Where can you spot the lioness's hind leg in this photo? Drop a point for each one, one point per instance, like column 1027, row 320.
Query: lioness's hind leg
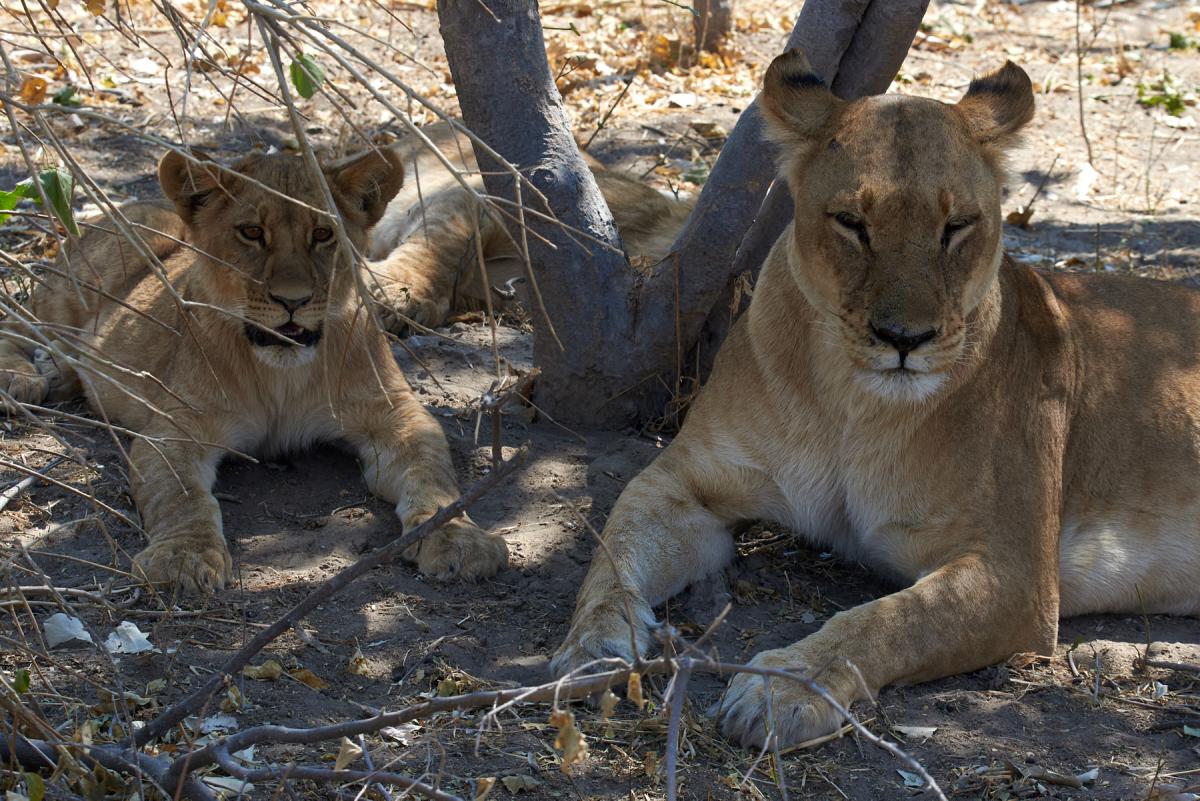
column 422, row 278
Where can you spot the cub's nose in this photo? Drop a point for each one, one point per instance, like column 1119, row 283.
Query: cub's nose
column 901, row 339
column 291, row 304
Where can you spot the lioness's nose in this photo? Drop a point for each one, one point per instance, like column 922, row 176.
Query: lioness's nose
column 291, row 304
column 900, row 338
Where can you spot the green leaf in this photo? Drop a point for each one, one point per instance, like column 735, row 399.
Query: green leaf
column 35, row 786
column 21, row 682
column 58, row 185
column 66, row 97
column 22, row 191
column 1192, row 731
column 1179, row 41
column 307, row 75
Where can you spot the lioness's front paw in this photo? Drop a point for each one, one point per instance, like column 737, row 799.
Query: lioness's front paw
column 191, row 564
column 797, row 713
column 23, row 387
column 603, row 631
column 459, row 550
column 399, row 309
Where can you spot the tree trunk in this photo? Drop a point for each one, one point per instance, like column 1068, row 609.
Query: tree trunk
column 713, row 21
column 620, row 332
column 508, row 98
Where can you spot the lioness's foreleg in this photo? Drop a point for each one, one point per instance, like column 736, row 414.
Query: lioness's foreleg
column 967, row 614
column 405, row 461
column 669, row 528
column 171, row 481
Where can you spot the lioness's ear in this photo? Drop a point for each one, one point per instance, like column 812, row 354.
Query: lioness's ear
column 796, row 103
column 369, row 182
column 187, row 184
column 998, row 105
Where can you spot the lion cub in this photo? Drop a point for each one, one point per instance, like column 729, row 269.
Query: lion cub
column 259, row 344
column 1011, row 446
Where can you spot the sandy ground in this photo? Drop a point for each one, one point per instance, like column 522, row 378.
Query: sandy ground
column 293, row 524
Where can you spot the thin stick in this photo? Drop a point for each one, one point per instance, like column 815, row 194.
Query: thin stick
column 16, row 489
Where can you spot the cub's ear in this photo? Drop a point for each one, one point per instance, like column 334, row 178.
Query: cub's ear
column 368, row 182
column 998, row 105
column 796, row 103
column 187, row 184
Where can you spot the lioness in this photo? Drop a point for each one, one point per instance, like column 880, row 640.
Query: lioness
column 259, row 344
column 1012, row 446
column 424, row 257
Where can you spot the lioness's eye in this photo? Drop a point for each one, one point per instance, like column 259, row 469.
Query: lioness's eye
column 252, row 232
column 852, row 223
column 321, row 234
column 952, row 228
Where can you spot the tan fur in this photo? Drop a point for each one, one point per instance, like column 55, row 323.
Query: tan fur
column 190, row 379
column 1036, row 457
column 425, row 263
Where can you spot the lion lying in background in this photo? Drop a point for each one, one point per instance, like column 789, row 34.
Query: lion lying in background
column 1011, row 446
column 261, row 344
column 424, row 260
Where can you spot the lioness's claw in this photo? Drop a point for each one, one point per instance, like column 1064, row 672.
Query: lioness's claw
column 461, row 551
column 603, row 631
column 191, row 565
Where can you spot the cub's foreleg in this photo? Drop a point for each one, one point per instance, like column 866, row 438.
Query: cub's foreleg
column 406, row 461
column 171, row 481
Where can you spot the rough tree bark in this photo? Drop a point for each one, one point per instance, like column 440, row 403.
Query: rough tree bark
column 713, row 21
column 620, row 331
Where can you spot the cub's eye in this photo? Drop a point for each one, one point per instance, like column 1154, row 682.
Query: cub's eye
column 322, row 234
column 953, row 227
column 852, row 223
column 252, row 233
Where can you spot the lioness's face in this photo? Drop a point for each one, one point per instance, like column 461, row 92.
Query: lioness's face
column 273, row 258
column 897, row 216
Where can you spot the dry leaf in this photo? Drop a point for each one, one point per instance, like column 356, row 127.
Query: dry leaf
column 483, row 787
column 447, row 687
column 267, row 671
column 306, row 676
column 95, row 7
column 633, row 691
column 232, row 700
column 358, row 663
column 570, row 739
column 608, row 702
column 650, row 764
column 1020, row 217
column 519, row 784
column 33, row 90
column 347, row 754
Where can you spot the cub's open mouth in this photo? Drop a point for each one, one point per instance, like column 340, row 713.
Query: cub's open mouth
column 299, row 336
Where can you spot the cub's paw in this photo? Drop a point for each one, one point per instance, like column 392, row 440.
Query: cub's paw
column 797, row 713
column 459, row 550
column 602, row 631
column 193, row 565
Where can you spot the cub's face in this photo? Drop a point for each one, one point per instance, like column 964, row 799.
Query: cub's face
column 897, row 216
column 272, row 258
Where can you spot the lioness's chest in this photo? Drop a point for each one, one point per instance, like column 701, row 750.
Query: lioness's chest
column 867, row 498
